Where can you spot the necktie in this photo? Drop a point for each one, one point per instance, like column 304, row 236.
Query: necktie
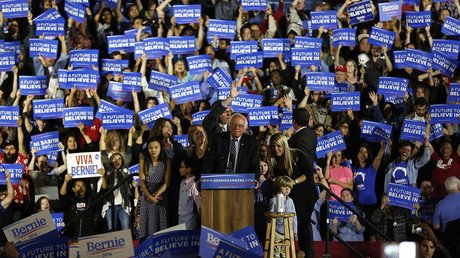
column 232, row 158
column 222, row 128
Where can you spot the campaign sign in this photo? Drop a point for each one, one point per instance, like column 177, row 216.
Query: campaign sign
column 381, row 37
column 444, row 113
column 156, row 47
column 75, row 11
column 132, row 81
column 254, row 5
column 62, row 78
column 403, row 196
column 248, row 235
column 451, row 48
column 49, row 245
column 9, row 116
column 244, row 101
column 418, row 59
column 16, row 173
column 105, row 107
column 51, row 28
column 229, row 249
column 443, row 63
column 273, row 47
column 397, row 100
column 345, row 101
column 199, row 64
column 209, row 240
column 138, row 50
column 30, row 227
column 15, row 8
column 45, row 47
column 175, row 243
column 392, row 86
column 45, row 142
column 149, row 116
column 339, row 211
column 243, row 47
column 161, row 81
column 413, row 130
column 327, row 19
column 7, row 61
column 227, row 181
column 121, row 43
column 375, row 132
column 420, row 19
column 84, row 164
column 249, row 60
column 344, row 36
column 85, row 58
column 13, row 46
column 198, row 117
column 120, row 119
column 220, row 79
column 48, row 108
column 286, row 121
column 113, row 244
column 341, row 87
column 307, row 42
column 222, row 29
column 436, row 131
column 85, row 3
column 182, row 45
column 360, row 12
column 58, row 219
column 389, row 10
column 320, row 81
column 454, row 92
column 267, row 115
column 305, row 57
column 113, row 66
column 399, row 58
column 82, row 78
column 185, row 92
column 183, row 140
column 76, row 115
column 33, row 85
column 330, row 142
column 50, row 14
column 186, row 14
column 451, row 27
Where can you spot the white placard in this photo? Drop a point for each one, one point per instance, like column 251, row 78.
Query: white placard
column 84, row 164
column 114, row 244
column 30, row 227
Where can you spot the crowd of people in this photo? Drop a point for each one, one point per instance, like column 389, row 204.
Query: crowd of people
column 284, row 161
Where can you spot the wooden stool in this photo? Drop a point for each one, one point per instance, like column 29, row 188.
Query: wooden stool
column 288, row 242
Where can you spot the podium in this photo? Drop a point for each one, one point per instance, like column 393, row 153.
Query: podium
column 227, row 201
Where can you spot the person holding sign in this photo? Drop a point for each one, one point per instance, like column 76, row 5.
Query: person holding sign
column 337, row 175
column 351, row 230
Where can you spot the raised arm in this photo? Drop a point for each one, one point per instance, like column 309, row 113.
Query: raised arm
column 9, row 191
column 118, row 12
column 379, row 156
column 15, row 83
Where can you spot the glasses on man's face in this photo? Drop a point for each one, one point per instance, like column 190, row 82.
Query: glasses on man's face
column 237, row 125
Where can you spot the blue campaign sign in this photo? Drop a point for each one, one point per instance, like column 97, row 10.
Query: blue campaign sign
column 162, row 81
column 444, row 113
column 48, row 109
column 249, row 60
column 174, row 243
column 116, row 92
column 51, row 28
column 305, row 57
column 58, row 219
column 7, row 61
column 62, row 78
column 183, row 140
column 327, row 19
column 138, row 50
column 186, row 14
column 185, row 92
column 330, row 142
column 399, row 58
column 243, row 47
column 222, row 29
column 397, row 100
column 105, row 107
column 149, row 116
column 209, row 240
column 13, row 46
column 182, row 45
column 403, row 196
column 375, row 132
column 219, row 78
column 273, row 47
column 248, row 235
column 82, row 78
column 380, row 37
column 85, row 3
column 121, row 43
column 454, row 92
column 229, row 249
column 33, row 85
column 344, row 101
column 413, row 130
column 9, row 116
column 198, row 117
column 50, row 244
column 199, row 64
column 341, row 87
column 443, row 63
column 244, row 101
column 120, row 119
column 75, row 11
column 307, row 42
column 320, row 81
column 227, row 181
column 132, row 81
column 451, row 27
column 389, row 10
column 16, row 172
column 451, row 48
column 113, row 66
column 266, row 115
column 112, row 4
column 15, row 8
column 44, row 47
column 436, row 131
column 392, row 86
column 418, row 59
column 360, row 12
column 50, row 14
column 286, row 121
column 75, row 115
column 420, row 19
column 45, row 142
column 84, row 58
column 156, row 47
column 254, row 5
column 344, row 36
column 339, row 211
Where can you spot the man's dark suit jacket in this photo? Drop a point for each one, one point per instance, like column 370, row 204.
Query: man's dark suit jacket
column 304, row 140
column 211, row 121
column 215, row 161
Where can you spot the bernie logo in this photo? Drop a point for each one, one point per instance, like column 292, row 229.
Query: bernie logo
column 28, row 229
column 105, row 246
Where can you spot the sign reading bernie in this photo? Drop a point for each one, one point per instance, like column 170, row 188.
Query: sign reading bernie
column 84, row 164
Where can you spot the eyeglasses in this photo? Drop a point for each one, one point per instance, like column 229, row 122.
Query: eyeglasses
column 237, row 125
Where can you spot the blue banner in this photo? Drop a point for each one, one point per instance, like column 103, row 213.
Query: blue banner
column 186, row 14
column 33, row 85
column 454, row 92
column 345, row 36
column 444, row 64
column 273, row 47
column 121, row 119
column 345, row 101
column 58, row 219
column 254, row 5
column 62, row 78
column 16, row 172
column 209, row 240
column 113, row 66
column 305, row 57
column 327, row 19
column 116, row 92
column 15, row 8
column 199, row 64
column 175, row 243
column 381, row 37
column 50, row 14
column 183, row 140
column 132, row 81
column 399, row 58
column 445, row 113
column 360, row 12
column 121, row 43
column 413, row 130
column 451, row 48
column 308, row 43
column 156, row 47
column 85, row 58
column 85, row 3
column 451, row 26
column 249, row 60
column 75, row 11
column 52, row 28
column 44, row 47
column 229, row 249
column 13, row 46
column 219, row 78
column 339, row 211
column 82, row 79
column 45, row 142
column 436, row 131
column 418, row 59
column 185, row 92
column 392, row 86
column 222, row 29
column 286, row 121
column 227, row 181
column 162, row 81
column 198, row 117
column 105, row 107
column 244, row 101
column 403, row 196
column 266, row 115
column 49, row 244
column 9, row 116
column 138, row 50
column 389, row 10
column 182, row 45
column 75, row 115
column 112, row 4
column 243, row 47
column 149, row 116
column 397, row 100
column 320, row 81
column 420, row 19
column 7, row 61
column 248, row 235
column 330, row 142
column 375, row 132
column 48, row 109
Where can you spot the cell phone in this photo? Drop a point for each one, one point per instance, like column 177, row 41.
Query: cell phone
column 416, row 229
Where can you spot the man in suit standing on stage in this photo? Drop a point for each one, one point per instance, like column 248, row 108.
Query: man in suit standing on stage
column 304, row 137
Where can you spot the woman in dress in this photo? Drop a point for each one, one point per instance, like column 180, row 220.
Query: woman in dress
column 198, row 140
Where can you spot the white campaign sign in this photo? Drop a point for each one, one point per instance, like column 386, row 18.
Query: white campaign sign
column 30, row 227
column 84, row 164
column 114, row 244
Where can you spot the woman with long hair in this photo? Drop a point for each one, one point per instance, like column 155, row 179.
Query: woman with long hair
column 199, row 145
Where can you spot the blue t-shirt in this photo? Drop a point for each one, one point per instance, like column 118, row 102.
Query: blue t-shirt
column 399, row 174
column 364, row 179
